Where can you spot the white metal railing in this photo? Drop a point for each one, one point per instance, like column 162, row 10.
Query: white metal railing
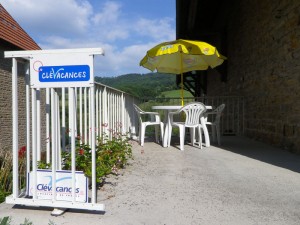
column 55, row 117
column 232, row 120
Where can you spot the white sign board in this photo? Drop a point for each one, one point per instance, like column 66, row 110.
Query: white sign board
column 63, row 185
column 60, row 67
column 61, row 70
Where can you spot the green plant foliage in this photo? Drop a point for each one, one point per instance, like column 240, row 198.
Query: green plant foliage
column 43, row 165
column 5, row 220
column 3, row 194
column 6, row 167
column 111, row 155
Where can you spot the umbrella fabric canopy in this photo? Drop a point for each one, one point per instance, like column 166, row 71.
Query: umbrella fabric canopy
column 182, row 56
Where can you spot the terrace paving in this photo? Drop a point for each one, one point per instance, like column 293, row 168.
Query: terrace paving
column 241, row 182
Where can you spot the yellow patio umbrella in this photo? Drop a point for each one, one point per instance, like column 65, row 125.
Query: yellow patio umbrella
column 180, row 56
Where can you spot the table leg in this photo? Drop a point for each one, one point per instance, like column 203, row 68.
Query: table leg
column 166, row 133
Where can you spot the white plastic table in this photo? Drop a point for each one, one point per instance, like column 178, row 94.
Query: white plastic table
column 170, row 108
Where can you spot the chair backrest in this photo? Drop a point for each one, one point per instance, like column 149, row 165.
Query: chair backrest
column 218, row 111
column 193, row 111
column 138, row 112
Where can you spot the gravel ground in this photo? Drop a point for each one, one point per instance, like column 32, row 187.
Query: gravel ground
column 243, row 182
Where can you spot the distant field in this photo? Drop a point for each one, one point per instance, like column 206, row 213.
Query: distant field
column 175, row 94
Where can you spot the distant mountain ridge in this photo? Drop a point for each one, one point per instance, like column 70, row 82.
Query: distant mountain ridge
column 141, row 85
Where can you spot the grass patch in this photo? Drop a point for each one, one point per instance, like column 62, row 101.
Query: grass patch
column 175, row 94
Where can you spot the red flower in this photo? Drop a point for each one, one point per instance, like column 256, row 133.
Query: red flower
column 22, row 152
column 81, row 151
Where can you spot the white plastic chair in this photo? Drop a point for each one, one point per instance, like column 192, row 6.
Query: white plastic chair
column 154, row 120
column 192, row 111
column 215, row 122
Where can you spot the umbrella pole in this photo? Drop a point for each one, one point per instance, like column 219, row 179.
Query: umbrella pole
column 181, row 65
column 182, row 103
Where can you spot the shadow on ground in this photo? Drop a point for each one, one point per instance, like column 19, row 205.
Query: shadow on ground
column 261, row 151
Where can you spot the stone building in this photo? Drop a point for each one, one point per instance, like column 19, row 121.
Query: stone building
column 261, row 39
column 12, row 38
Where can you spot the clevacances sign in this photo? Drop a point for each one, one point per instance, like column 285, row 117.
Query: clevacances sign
column 63, row 187
column 62, row 68
column 76, row 73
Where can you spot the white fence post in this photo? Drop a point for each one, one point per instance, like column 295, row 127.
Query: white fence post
column 28, row 149
column 15, row 126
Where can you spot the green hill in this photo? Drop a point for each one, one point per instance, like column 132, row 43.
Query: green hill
column 141, row 85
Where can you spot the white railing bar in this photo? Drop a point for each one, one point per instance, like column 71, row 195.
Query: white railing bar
column 111, row 106
column 100, row 112
column 118, row 120
column 97, row 113
column 72, row 117
column 53, row 144
column 80, row 114
column 104, row 110
column 119, row 108
column 38, row 123
column 90, row 117
column 109, row 111
column 123, row 124
column 113, row 115
column 108, row 87
column 34, row 140
column 93, row 144
column 85, row 115
column 63, row 117
column 27, row 80
column 75, row 107
column 15, row 132
column 70, row 111
column 58, row 131
column 47, row 125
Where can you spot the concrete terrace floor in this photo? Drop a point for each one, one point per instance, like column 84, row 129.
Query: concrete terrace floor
column 240, row 182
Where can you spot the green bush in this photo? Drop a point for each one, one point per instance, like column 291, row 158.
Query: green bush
column 6, row 166
column 111, row 155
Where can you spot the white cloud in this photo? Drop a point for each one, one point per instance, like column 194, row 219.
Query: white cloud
column 67, row 17
column 56, row 24
column 158, row 29
column 122, row 61
column 109, row 14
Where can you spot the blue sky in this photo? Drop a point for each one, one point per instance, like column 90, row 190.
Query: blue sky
column 125, row 29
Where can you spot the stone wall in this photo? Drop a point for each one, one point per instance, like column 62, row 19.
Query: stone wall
column 6, row 104
column 264, row 67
